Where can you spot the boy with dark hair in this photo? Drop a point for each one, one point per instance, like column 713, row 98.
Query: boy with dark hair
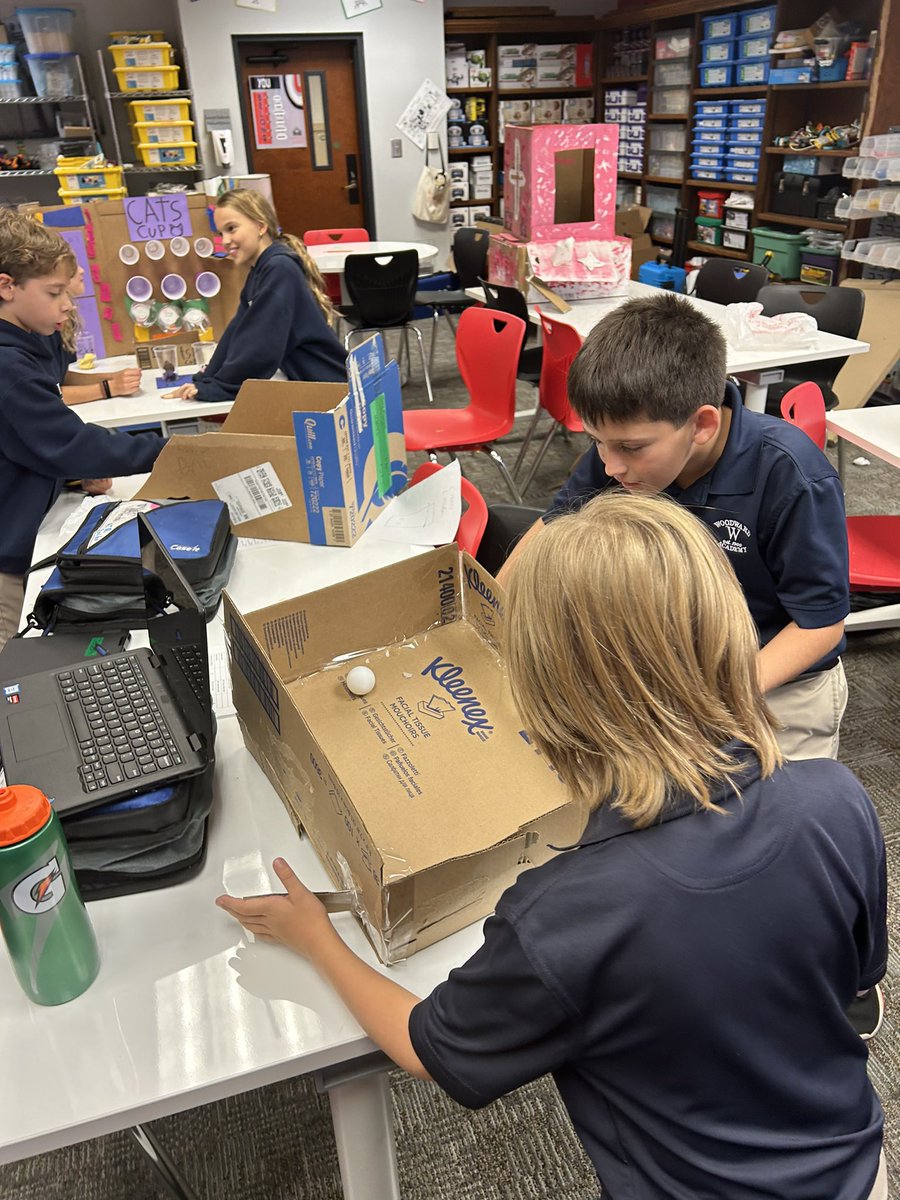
column 41, row 440
column 649, row 385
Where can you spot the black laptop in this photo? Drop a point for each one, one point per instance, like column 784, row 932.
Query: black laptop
column 87, row 730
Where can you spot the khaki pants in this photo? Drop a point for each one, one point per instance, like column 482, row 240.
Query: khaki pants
column 810, row 709
column 11, row 597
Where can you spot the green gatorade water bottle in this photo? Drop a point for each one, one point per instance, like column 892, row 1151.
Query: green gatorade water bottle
column 42, row 917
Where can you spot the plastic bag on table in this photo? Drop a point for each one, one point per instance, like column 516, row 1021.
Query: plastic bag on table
column 746, row 328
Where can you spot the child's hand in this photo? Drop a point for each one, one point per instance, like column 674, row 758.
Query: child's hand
column 126, row 382
column 187, row 392
column 296, row 919
column 96, row 487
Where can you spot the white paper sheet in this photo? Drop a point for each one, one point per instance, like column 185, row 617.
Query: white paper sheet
column 425, row 515
column 220, row 683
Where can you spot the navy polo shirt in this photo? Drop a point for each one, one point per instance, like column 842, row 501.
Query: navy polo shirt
column 686, row 985
column 776, row 507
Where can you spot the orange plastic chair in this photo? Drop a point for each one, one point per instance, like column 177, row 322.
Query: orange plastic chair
column 473, row 521
column 874, row 541
column 487, row 354
column 561, row 344
column 324, row 237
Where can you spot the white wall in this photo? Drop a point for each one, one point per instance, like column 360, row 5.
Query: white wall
column 403, row 43
column 563, row 8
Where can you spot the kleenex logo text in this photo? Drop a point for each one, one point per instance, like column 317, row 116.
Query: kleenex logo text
column 475, row 582
column 450, row 678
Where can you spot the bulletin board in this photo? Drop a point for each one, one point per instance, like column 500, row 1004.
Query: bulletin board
column 103, row 227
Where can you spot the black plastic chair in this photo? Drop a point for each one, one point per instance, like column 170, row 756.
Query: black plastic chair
column 836, row 310
column 382, row 288
column 510, row 300
column 730, row 281
column 470, row 251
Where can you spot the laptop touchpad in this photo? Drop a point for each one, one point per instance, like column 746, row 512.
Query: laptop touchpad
column 37, row 732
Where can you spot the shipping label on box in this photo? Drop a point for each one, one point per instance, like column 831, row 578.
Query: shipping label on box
column 575, row 268
column 406, row 792
column 560, row 181
column 297, row 461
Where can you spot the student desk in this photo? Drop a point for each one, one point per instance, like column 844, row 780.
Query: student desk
column 144, row 407
column 877, row 431
column 330, row 258
column 749, row 365
column 187, row 1009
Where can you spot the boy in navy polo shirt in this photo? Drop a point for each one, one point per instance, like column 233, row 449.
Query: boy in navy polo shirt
column 683, row 971
column 649, row 386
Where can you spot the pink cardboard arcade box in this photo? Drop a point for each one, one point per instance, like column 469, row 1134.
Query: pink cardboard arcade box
column 560, row 181
column 575, row 268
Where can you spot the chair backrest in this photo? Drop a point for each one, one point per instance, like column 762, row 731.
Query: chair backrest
column 487, row 354
column 322, row 237
column 730, row 281
column 504, row 298
column 561, row 344
column 382, row 287
column 470, row 250
column 836, row 310
column 474, row 519
column 804, row 406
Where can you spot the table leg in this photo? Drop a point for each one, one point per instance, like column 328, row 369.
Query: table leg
column 842, row 458
column 165, row 1168
column 755, row 396
column 360, row 1100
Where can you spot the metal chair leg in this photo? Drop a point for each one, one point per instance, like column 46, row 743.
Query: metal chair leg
column 418, row 334
column 165, row 1168
column 435, row 322
column 539, row 457
column 526, row 442
column 504, row 471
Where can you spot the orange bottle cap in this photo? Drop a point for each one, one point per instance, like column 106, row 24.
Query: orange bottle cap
column 23, row 811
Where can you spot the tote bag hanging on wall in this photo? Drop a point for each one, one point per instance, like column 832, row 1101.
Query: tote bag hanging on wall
column 431, row 202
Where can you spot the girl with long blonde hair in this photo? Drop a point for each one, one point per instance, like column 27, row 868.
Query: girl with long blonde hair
column 282, row 322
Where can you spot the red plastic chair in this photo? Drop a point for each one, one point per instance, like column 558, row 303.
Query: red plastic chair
column 487, row 354
column 874, row 541
column 324, row 237
column 473, row 521
column 561, row 344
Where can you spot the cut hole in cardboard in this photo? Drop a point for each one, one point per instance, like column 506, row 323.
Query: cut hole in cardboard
column 574, row 193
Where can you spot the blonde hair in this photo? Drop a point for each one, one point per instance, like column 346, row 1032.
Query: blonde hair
column 632, row 656
column 28, row 250
column 256, row 207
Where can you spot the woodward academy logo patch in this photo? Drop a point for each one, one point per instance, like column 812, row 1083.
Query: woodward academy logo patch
column 41, row 889
column 733, row 536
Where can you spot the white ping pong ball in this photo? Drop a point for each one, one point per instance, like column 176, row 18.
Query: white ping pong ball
column 360, row 680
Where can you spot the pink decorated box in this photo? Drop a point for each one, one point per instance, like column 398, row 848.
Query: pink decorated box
column 577, row 268
column 560, row 181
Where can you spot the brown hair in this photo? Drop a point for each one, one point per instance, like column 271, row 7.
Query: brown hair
column 653, row 359
column 28, row 250
column 255, row 206
column 632, row 656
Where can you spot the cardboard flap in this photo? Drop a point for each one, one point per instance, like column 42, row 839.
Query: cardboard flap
column 268, row 405
column 632, row 221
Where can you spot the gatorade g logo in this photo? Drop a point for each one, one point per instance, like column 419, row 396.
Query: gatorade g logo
column 40, row 890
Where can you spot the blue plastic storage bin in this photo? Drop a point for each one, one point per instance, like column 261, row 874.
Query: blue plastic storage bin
column 757, row 20
column 835, row 73
column 738, row 163
column 712, row 108
column 701, row 124
column 706, row 173
column 753, row 45
column 733, row 176
column 717, row 51
column 792, row 75
column 715, row 162
column 718, row 74
column 662, row 275
column 750, row 124
column 745, row 137
column 748, row 108
column 752, row 71
column 707, row 137
column 723, row 25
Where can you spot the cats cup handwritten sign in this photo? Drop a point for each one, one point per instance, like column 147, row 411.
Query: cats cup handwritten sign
column 157, row 217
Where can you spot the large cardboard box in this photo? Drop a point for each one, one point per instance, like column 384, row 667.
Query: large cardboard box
column 560, row 181
column 425, row 797
column 632, row 222
column 298, row 462
column 575, row 268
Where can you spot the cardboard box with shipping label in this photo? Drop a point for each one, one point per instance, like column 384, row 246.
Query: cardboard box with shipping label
column 296, row 461
column 425, row 797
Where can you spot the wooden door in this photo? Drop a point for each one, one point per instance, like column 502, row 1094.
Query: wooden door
column 302, row 125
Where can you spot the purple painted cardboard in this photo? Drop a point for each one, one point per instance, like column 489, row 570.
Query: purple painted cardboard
column 75, row 239
column 157, row 217
column 92, row 324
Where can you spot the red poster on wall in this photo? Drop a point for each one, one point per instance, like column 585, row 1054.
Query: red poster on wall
column 279, row 120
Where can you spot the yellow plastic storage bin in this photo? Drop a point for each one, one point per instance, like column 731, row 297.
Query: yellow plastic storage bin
column 147, row 79
column 147, row 112
column 77, row 175
column 123, row 36
column 85, row 196
column 169, row 154
column 163, row 133
column 142, row 54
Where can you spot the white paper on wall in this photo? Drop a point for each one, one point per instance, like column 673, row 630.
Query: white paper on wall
column 427, row 109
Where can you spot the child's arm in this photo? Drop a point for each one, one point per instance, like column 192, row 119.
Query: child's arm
column 297, row 920
column 123, row 383
column 793, row 651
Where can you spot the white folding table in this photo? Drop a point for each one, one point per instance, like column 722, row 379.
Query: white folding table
column 144, row 407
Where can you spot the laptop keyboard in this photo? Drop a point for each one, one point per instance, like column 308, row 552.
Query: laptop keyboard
column 122, row 735
column 190, row 660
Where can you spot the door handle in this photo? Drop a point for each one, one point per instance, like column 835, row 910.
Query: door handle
column 351, row 187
